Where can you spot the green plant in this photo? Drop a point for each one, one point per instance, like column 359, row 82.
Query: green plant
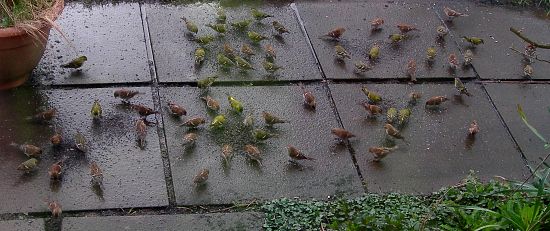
column 23, row 13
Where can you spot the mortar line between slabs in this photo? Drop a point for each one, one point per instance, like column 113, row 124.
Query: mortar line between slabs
column 328, row 92
column 170, row 191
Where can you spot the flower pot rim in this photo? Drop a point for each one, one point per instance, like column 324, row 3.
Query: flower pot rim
column 53, row 13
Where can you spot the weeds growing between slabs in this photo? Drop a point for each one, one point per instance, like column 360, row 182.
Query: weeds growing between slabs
column 471, row 205
column 16, row 12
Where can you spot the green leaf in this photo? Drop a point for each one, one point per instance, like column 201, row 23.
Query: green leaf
column 489, row 226
column 534, row 130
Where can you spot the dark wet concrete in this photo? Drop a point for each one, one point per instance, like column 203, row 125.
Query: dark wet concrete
column 439, row 153
column 494, row 59
column 22, row 225
column 319, row 18
column 534, row 100
column 332, row 173
column 116, row 53
column 215, row 221
column 174, row 52
column 132, row 177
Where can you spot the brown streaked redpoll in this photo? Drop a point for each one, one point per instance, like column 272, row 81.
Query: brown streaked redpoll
column 55, row 208
column 227, row 152
column 451, row 14
column 453, row 61
column 309, row 99
column 436, row 100
column 253, row 153
column 96, row 173
column 228, row 50
column 247, row 50
column 414, row 97
column 190, row 138
column 380, row 152
column 194, row 122
column 335, row 33
column 393, row 132
column 376, row 23
column 271, row 119
column 201, row 177
column 404, row 28
column 56, row 139
column 528, row 71
column 141, row 133
column 279, row 27
column 296, row 154
column 211, row 103
column 125, row 94
column 55, row 170
column 411, row 70
column 29, row 149
column 270, row 52
column 442, row 31
column 372, row 109
column 342, row 133
column 44, row 116
column 143, row 110
column 176, row 110
column 473, row 129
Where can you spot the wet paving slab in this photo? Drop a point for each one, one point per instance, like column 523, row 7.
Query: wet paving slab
column 116, row 54
column 355, row 17
column 174, row 48
column 22, row 225
column 215, row 221
column 242, row 179
column 533, row 100
column 494, row 59
column 132, row 177
column 437, row 150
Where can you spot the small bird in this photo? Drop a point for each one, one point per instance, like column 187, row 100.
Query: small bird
column 96, row 110
column 176, row 110
column 530, row 51
column 55, row 208
column 391, row 115
column 404, row 115
column 56, row 139
column 376, row 23
column 29, row 150
column 342, row 133
column 242, row 25
column 431, row 52
column 143, row 110
column 81, row 144
column 395, row 38
column 211, row 103
column 404, row 28
column 224, row 61
column 228, row 50
column 309, row 98
column 473, row 129
column 44, row 116
column 194, row 122
column 125, row 94
column 393, row 132
column 253, row 153
column 255, row 36
column 243, row 64
column 247, row 50
column 55, row 170
column 218, row 27
column 461, row 88
column 468, row 57
column 235, row 104
column 374, row 52
column 380, row 152
column 411, row 70
column 221, row 17
column 270, row 119
column 96, row 173
column 436, row 100
column 361, row 67
column 227, row 153
column 453, row 61
column 259, row 15
column 200, row 53
column 296, row 154
column 371, row 95
column 451, row 14
column 218, row 121
column 248, row 120
column 28, row 165
column 527, row 71
column 280, row 28
column 270, row 67
column 141, row 133
column 201, row 177
column 260, row 134
column 442, row 31
column 341, row 53
column 206, row 82
column 473, row 40
column 190, row 138
column 270, row 52
column 335, row 33
column 76, row 63
column 190, row 25
column 373, row 109
column 204, row 40
column 414, row 97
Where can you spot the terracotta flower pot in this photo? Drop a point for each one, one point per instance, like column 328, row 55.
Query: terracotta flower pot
column 21, row 52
